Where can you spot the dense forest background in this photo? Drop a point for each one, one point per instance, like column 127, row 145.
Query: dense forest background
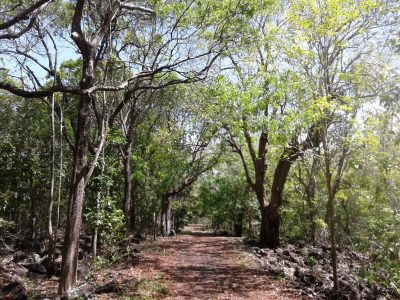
column 274, row 120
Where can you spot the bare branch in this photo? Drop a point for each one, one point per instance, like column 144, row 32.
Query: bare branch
column 23, row 15
column 141, row 9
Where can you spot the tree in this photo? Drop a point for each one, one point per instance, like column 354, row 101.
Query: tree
column 309, row 183
column 184, row 146
column 92, row 42
column 261, row 104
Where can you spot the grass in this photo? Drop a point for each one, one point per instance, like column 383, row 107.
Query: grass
column 244, row 261
column 151, row 286
column 149, row 289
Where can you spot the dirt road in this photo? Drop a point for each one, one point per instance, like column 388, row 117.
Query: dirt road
column 197, row 265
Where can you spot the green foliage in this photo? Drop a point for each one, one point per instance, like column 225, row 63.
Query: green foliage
column 109, row 220
column 225, row 199
column 281, row 68
column 4, row 224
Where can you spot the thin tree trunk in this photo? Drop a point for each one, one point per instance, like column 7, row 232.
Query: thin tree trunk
column 134, row 209
column 60, row 175
column 310, row 193
column 154, row 226
column 98, row 205
column 332, row 187
column 311, row 215
column 33, row 210
column 51, row 199
column 166, row 215
column 331, row 216
column 127, row 187
column 96, row 229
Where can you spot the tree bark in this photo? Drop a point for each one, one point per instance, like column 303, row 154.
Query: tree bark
column 165, row 215
column 270, row 217
column 60, row 176
column 269, row 229
column 310, row 194
column 51, row 199
column 96, row 229
column 33, row 209
column 238, row 225
column 127, row 202
column 71, row 240
column 332, row 228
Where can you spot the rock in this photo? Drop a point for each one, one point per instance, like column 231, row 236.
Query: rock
column 301, row 243
column 316, row 254
column 276, row 270
column 309, row 269
column 325, row 248
column 111, row 287
column 294, row 259
column 289, row 272
column 86, row 243
column 222, row 233
column 81, row 254
column 42, row 250
column 52, row 268
column 250, row 241
column 20, row 271
column 337, row 296
column 13, row 291
column 82, row 292
column 82, row 271
column 37, row 268
column 255, row 249
column 136, row 240
column 87, row 239
column 57, row 253
column 263, row 252
column 36, row 258
column 19, row 256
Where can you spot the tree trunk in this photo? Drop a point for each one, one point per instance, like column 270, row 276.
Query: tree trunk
column 51, row 199
column 71, row 240
column 166, row 215
column 127, row 187
column 270, row 218
column 269, row 230
column 311, row 214
column 59, row 178
column 96, row 229
column 310, row 193
column 134, row 212
column 331, row 218
column 238, row 225
column 33, row 209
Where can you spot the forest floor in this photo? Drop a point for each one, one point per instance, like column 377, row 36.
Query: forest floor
column 191, row 265
column 195, row 265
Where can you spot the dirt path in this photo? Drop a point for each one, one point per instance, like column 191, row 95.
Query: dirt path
column 200, row 266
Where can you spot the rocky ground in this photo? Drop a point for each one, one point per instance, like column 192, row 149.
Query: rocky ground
column 308, row 268
column 189, row 266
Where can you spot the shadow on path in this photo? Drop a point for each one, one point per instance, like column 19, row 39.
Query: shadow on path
column 198, row 265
